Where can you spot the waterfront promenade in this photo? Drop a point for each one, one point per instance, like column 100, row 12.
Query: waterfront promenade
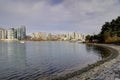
column 109, row 70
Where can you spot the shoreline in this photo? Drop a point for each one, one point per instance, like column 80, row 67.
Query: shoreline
column 82, row 74
column 109, row 70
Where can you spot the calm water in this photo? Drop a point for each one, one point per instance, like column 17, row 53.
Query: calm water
column 31, row 60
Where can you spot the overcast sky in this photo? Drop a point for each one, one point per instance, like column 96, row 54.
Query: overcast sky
column 85, row 16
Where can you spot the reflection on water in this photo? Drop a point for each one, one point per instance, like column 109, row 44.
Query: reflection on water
column 31, row 60
column 12, row 59
column 17, row 55
column 102, row 52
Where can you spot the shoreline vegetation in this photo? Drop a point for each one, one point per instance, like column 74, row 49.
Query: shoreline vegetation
column 110, row 33
column 84, row 71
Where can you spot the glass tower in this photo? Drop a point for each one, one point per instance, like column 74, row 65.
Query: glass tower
column 21, row 33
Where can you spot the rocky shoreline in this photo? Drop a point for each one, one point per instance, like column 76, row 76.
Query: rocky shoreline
column 109, row 70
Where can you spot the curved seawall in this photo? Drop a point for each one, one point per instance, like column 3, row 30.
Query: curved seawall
column 108, row 70
column 72, row 75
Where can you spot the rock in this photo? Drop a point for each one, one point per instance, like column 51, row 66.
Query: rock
column 117, row 79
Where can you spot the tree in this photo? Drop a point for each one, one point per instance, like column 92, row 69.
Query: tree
column 109, row 31
column 106, row 35
column 87, row 38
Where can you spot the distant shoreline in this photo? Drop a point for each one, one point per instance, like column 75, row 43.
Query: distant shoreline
column 14, row 40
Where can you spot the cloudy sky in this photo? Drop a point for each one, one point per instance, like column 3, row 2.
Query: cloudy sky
column 85, row 16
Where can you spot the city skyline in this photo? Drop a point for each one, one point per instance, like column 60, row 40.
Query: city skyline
column 13, row 33
column 20, row 34
column 58, row 16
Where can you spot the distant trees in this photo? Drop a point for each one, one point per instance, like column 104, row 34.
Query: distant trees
column 110, row 32
column 87, row 38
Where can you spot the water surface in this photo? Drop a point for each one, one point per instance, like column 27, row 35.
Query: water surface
column 32, row 60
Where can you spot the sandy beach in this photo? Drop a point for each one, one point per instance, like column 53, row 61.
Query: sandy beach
column 110, row 70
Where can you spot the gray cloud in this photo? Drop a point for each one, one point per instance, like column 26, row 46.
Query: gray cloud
column 86, row 16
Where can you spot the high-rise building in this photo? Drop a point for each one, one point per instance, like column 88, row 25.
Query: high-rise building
column 3, row 33
column 21, row 32
column 74, row 36
column 68, row 36
column 18, row 33
column 15, row 33
column 10, row 34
